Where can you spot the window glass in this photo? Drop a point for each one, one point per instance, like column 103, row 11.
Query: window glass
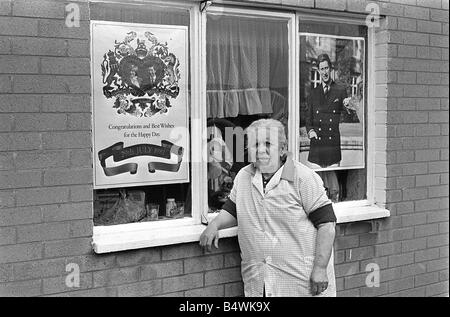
column 247, row 61
column 332, row 106
column 149, row 90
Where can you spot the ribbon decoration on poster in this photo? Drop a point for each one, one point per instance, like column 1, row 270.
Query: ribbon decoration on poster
column 119, row 153
column 139, row 83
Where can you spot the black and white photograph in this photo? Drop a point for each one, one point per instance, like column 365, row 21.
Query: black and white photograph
column 221, row 156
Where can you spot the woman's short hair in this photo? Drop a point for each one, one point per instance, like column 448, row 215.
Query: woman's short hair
column 268, row 124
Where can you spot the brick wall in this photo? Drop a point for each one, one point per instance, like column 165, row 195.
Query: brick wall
column 45, row 166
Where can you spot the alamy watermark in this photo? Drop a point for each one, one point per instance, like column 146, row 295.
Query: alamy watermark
column 73, row 15
column 73, row 278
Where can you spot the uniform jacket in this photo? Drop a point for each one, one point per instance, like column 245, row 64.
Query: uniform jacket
column 323, row 114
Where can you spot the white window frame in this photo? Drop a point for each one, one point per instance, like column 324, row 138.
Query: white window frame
column 366, row 209
column 149, row 234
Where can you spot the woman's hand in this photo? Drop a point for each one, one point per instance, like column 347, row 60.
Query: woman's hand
column 209, row 236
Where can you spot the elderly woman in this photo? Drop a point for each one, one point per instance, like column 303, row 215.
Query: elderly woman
column 286, row 223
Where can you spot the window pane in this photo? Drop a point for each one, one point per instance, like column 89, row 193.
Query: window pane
column 145, row 105
column 332, row 106
column 247, row 79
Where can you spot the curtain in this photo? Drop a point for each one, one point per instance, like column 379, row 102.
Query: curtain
column 247, row 66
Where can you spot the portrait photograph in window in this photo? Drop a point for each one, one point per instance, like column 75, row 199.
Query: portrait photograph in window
column 332, row 102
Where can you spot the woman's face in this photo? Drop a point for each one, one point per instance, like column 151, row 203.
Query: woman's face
column 265, row 150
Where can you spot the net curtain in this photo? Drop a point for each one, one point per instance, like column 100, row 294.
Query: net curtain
column 247, row 66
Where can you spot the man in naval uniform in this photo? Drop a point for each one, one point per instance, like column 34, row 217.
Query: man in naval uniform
column 323, row 112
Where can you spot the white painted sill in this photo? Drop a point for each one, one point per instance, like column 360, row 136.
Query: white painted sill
column 112, row 241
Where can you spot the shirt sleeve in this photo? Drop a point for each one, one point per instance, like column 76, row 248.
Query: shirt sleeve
column 312, row 192
column 230, row 207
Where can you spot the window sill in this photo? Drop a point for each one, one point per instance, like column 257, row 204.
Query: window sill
column 346, row 212
column 105, row 242
column 112, row 241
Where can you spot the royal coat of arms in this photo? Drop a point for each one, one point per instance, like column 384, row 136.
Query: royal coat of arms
column 141, row 74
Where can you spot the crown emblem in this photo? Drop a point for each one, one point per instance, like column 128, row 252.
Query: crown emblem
column 141, row 75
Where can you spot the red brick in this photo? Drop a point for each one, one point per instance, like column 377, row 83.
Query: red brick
column 234, row 289
column 65, row 103
column 38, row 46
column 412, row 269
column 66, row 140
column 181, row 251
column 438, row 288
column 138, row 257
column 374, row 291
column 69, row 247
column 7, row 236
column 223, row 276
column 438, row 240
column 116, row 276
column 20, row 179
column 161, row 270
column 43, row 232
column 184, row 282
column 331, row 5
column 437, row 265
column 232, row 260
column 414, row 292
column 81, row 228
column 65, row 66
column 16, row 216
column 22, row 141
column 33, row 84
column 414, row 244
column 20, row 252
column 428, row 180
column 40, row 122
column 354, row 281
column 346, row 242
column 401, row 259
column 58, row 29
column 58, row 284
column 68, row 176
column 19, row 103
column 428, row 254
column 205, row 263
column 415, row 219
column 21, row 289
column 437, row 216
column 438, row 191
column 417, row 12
column 399, row 285
column 425, row 279
column 18, row 26
column 81, row 193
column 6, row 161
column 346, row 269
column 360, row 253
column 18, row 64
column 95, row 292
column 147, row 288
column 387, row 248
column 69, row 211
column 93, row 262
column 211, row 291
column 79, row 121
column 38, row 269
column 349, row 293
column 41, row 159
column 426, row 230
column 78, row 48
column 41, row 196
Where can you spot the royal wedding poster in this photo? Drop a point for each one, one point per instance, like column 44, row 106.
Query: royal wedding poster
column 139, row 104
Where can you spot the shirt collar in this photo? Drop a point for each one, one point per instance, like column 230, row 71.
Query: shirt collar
column 288, row 169
column 329, row 84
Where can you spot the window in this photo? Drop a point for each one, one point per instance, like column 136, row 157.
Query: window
column 247, row 70
column 220, row 70
column 332, row 123
column 142, row 168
